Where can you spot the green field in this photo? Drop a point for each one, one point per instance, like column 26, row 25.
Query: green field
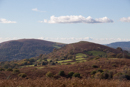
column 96, row 53
column 80, row 55
column 64, row 61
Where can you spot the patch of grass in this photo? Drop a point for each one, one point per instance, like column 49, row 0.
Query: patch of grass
column 29, row 65
column 48, row 59
column 96, row 53
column 64, row 61
column 67, row 63
column 80, row 58
column 40, row 67
column 80, row 55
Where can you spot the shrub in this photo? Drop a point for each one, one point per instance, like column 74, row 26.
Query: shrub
column 35, row 64
column 70, row 74
column 114, row 65
column 117, row 75
column 1, row 69
column 61, row 73
column 49, row 74
column 122, row 77
column 119, row 55
column 16, row 70
column 98, row 75
column 93, row 72
column 110, row 75
column 100, row 70
column 95, row 66
column 119, row 48
column 9, row 69
column 68, row 64
column 105, row 75
column 23, row 75
column 105, row 70
column 76, row 75
column 111, row 55
column 96, row 58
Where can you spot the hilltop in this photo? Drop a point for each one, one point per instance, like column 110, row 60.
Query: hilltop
column 25, row 48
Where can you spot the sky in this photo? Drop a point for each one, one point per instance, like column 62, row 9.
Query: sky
column 65, row 21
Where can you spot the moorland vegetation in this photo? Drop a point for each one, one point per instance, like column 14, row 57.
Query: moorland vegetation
column 78, row 64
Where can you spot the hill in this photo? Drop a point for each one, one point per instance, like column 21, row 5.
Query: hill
column 87, row 48
column 123, row 45
column 25, row 48
column 69, row 54
column 77, row 64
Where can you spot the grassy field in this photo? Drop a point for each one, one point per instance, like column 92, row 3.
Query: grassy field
column 64, row 61
column 80, row 55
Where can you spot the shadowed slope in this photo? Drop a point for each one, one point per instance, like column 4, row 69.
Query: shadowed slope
column 25, row 48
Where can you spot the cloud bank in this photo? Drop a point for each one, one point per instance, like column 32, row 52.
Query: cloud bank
column 72, row 39
column 2, row 20
column 90, row 39
column 77, row 19
column 125, row 19
column 35, row 9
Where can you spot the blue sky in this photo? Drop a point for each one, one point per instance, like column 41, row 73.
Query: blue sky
column 66, row 21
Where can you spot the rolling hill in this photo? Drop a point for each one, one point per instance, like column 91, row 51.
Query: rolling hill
column 25, row 48
column 84, row 48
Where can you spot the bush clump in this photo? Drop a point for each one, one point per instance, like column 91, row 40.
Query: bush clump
column 23, row 75
column 100, row 70
column 61, row 73
column 1, row 69
column 93, row 72
column 114, row 65
column 70, row 74
column 16, row 70
column 49, row 74
column 76, row 75
column 98, row 75
column 95, row 66
column 9, row 69
column 105, row 75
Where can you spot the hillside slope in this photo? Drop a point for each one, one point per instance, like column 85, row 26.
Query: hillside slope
column 87, row 48
column 25, row 48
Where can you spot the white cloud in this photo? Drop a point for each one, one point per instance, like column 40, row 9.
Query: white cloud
column 90, row 39
column 125, row 19
column 72, row 39
column 77, row 19
column 35, row 9
column 2, row 20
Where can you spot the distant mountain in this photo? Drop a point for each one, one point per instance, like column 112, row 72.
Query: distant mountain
column 123, row 45
column 25, row 48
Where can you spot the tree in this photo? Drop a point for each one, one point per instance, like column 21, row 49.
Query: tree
column 119, row 48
